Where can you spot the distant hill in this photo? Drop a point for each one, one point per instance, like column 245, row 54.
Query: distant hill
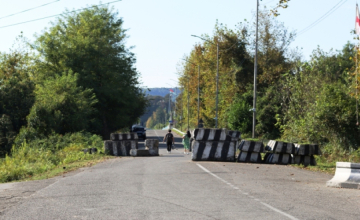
column 160, row 91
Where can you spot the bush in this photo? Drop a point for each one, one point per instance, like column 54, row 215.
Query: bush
column 41, row 155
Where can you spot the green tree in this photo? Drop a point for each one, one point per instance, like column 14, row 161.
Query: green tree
column 92, row 44
column 61, row 106
column 16, row 94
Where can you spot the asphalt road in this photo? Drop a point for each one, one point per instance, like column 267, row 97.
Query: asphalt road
column 171, row 186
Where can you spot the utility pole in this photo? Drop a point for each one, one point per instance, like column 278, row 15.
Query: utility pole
column 255, row 69
column 198, row 94
column 217, row 84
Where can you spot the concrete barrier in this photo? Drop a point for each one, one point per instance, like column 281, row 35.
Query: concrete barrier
column 347, row 175
column 235, row 135
column 123, row 136
column 273, row 158
column 307, row 149
column 251, row 146
column 153, row 146
column 249, row 157
column 139, row 153
column 120, row 148
column 280, row 147
column 213, row 150
column 108, row 148
column 305, row 160
column 207, row 134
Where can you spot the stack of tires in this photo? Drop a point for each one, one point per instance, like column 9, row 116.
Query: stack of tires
column 281, row 152
column 250, row 151
column 212, row 145
column 304, row 154
column 120, row 144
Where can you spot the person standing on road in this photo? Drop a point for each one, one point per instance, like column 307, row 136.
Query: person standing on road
column 186, row 142
column 169, row 138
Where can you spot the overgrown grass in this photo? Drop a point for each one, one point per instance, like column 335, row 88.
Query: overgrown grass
column 332, row 154
column 31, row 160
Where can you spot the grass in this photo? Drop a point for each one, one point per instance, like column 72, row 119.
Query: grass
column 29, row 161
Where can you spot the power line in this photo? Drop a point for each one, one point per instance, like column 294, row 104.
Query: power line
column 327, row 14
column 29, row 9
column 58, row 14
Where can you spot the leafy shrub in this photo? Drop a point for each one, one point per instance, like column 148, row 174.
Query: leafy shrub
column 41, row 155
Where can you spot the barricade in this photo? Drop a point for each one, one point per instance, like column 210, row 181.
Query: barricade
column 347, row 175
column 281, row 152
column 123, row 136
column 139, row 153
column 121, row 144
column 250, row 151
column 153, row 146
column 213, row 150
column 274, row 158
column 280, row 147
column 207, row 134
column 304, row 154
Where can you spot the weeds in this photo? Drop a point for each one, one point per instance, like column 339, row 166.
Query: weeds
column 33, row 158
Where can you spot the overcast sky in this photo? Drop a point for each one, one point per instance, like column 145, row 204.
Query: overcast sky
column 161, row 30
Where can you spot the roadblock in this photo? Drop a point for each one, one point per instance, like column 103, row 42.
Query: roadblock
column 213, row 150
column 250, row 151
column 214, row 145
column 304, row 154
column 152, row 145
column 347, row 175
column 120, row 144
column 207, row 134
column 281, row 152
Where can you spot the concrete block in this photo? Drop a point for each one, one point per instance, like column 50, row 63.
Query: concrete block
column 305, row 160
column 280, row 147
column 347, row 175
column 250, row 157
column 122, row 148
column 153, row 146
column 207, row 134
column 133, row 152
column 108, row 148
column 143, row 153
column 307, row 149
column 213, row 150
column 278, row 158
column 235, row 135
column 251, row 146
column 123, row 136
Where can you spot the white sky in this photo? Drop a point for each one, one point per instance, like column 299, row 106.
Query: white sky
column 160, row 29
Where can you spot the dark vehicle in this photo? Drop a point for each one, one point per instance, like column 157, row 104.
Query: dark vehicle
column 140, row 130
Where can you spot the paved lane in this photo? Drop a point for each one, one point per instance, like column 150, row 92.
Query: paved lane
column 173, row 187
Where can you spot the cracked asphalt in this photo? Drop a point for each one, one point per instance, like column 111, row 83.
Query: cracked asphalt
column 172, row 186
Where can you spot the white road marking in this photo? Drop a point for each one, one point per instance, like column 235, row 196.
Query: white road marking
column 160, row 140
column 279, row 211
column 267, row 205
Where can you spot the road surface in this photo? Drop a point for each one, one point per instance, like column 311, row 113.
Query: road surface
column 171, row 186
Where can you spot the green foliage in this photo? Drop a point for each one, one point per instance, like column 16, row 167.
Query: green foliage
column 91, row 43
column 61, row 106
column 16, row 96
column 42, row 155
column 239, row 116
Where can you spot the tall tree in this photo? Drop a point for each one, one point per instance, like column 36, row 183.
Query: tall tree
column 92, row 44
column 16, row 93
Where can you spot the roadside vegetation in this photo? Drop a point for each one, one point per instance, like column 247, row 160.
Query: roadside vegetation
column 300, row 101
column 66, row 91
